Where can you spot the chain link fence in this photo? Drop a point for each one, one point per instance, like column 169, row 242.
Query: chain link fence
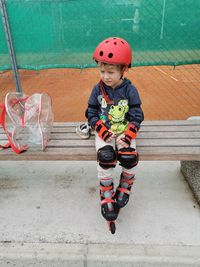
column 64, row 33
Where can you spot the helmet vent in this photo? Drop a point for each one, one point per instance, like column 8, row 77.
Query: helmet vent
column 115, row 43
column 110, row 55
column 122, row 42
column 101, row 53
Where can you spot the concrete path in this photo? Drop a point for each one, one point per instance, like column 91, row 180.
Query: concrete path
column 50, row 216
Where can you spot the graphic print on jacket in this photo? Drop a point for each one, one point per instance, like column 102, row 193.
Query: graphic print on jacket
column 116, row 108
column 116, row 115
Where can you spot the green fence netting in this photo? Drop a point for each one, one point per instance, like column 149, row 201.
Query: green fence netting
column 64, row 33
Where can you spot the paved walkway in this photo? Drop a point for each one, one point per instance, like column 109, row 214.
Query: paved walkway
column 50, row 215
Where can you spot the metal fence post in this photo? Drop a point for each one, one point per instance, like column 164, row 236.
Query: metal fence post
column 10, row 45
column 163, row 19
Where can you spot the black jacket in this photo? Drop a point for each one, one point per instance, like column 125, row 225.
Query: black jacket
column 124, row 106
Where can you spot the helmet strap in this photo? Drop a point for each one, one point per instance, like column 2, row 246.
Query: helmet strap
column 105, row 96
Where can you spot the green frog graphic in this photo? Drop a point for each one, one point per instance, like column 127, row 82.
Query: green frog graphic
column 116, row 116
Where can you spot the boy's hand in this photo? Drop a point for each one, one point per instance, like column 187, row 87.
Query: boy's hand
column 103, row 132
column 120, row 141
column 126, row 138
column 110, row 137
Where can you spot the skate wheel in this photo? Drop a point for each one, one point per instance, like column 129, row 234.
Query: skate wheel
column 112, row 227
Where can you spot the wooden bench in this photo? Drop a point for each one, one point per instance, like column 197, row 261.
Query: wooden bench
column 157, row 140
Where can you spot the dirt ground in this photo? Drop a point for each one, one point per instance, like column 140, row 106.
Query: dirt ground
column 166, row 93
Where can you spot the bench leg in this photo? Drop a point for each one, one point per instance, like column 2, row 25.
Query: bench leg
column 191, row 172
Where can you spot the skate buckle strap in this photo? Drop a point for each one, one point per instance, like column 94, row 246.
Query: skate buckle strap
column 107, row 200
column 124, row 190
column 106, row 188
column 128, row 181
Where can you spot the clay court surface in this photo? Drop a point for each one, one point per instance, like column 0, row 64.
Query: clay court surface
column 166, row 93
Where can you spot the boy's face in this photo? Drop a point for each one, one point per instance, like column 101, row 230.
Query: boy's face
column 110, row 75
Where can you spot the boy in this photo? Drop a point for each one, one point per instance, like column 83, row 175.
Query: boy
column 114, row 112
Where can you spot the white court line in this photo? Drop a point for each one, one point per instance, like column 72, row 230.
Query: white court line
column 165, row 73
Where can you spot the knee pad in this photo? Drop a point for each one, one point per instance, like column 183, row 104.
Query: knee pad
column 106, row 156
column 128, row 157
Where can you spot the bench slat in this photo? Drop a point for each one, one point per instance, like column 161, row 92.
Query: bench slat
column 158, row 128
column 143, row 142
column 169, row 135
column 144, row 135
column 163, row 128
column 183, row 128
column 145, row 123
column 194, row 126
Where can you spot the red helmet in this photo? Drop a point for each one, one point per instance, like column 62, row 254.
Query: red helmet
column 113, row 50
